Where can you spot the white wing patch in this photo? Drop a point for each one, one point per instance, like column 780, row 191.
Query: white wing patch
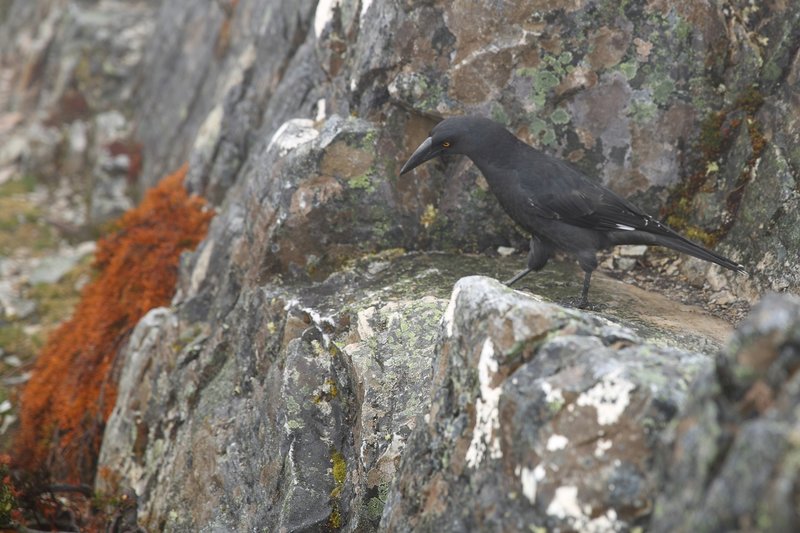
column 623, row 226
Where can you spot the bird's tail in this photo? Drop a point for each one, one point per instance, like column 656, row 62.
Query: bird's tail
column 682, row 244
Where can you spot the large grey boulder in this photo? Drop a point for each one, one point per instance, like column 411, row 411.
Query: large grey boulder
column 540, row 417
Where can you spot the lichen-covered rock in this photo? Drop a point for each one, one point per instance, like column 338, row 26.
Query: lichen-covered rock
column 294, row 410
column 539, row 416
column 730, row 459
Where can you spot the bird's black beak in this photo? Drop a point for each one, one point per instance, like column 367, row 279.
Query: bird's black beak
column 423, row 153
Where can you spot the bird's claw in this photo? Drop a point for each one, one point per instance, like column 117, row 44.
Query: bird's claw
column 581, row 303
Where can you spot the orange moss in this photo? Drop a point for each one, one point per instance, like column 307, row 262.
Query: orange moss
column 72, row 390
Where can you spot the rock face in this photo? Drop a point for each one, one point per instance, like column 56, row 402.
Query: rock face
column 302, row 380
column 639, row 97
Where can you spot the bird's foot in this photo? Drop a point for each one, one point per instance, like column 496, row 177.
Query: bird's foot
column 582, row 303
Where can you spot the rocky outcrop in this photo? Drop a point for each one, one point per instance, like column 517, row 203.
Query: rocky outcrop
column 301, row 378
column 298, row 417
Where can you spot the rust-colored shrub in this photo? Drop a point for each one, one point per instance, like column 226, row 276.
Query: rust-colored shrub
column 72, row 391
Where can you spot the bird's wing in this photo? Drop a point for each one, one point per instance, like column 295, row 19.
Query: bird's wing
column 556, row 190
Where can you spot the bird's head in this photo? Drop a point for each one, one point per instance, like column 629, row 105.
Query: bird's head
column 455, row 135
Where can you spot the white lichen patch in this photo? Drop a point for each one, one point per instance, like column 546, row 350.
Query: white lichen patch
column 450, row 312
column 530, row 479
column 602, row 446
column 565, row 505
column 557, row 442
column 293, row 133
column 364, row 8
column 321, row 111
column 487, row 417
column 610, row 397
column 323, row 15
column 550, row 394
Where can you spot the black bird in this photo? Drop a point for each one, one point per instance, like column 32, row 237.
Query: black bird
column 560, row 207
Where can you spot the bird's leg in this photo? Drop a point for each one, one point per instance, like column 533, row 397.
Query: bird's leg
column 518, row 277
column 587, row 278
column 537, row 258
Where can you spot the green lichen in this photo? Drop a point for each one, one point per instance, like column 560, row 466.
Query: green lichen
column 547, row 77
column 339, row 472
column 292, row 407
column 541, row 129
column 430, row 95
column 629, row 69
column 642, row 110
column 544, row 80
column 537, row 126
column 335, row 518
column 428, row 216
column 318, row 348
column 369, row 139
column 682, row 29
column 663, row 90
column 339, row 468
column 555, row 406
column 560, row 116
column 362, row 182
column 499, row 114
column 295, row 424
column 376, row 504
column 375, row 508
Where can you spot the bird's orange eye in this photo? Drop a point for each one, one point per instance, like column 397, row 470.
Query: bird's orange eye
column 446, row 144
